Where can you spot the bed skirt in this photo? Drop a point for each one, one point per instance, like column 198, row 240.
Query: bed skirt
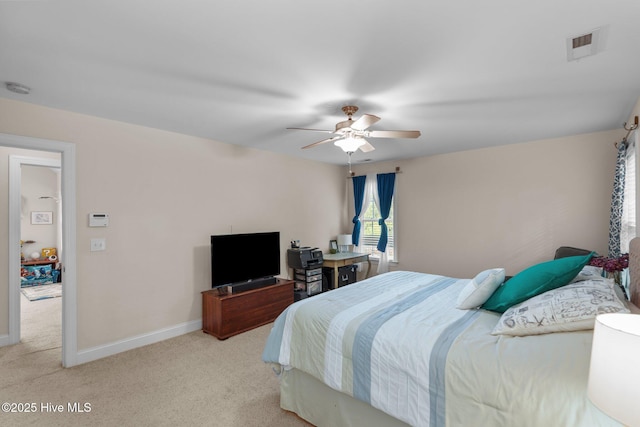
column 323, row 406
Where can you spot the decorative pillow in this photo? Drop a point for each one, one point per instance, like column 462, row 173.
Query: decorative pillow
column 589, row 272
column 570, row 308
column 480, row 288
column 535, row 280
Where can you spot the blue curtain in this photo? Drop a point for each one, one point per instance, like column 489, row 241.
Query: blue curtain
column 617, row 202
column 386, row 182
column 358, row 197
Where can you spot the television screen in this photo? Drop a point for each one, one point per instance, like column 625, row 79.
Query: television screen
column 242, row 257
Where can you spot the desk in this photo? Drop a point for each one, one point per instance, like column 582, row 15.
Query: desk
column 341, row 259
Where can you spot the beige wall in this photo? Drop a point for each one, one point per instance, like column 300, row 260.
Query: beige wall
column 166, row 193
column 508, row 206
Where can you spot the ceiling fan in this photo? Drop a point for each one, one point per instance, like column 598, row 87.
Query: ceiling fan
column 350, row 134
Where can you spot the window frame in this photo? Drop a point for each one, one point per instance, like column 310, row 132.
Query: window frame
column 374, row 254
column 629, row 216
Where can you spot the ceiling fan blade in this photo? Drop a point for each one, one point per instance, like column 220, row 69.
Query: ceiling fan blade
column 367, row 147
column 394, row 134
column 315, row 130
column 333, row 138
column 364, row 122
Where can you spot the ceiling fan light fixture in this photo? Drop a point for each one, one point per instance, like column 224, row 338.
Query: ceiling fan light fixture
column 349, row 145
column 350, row 134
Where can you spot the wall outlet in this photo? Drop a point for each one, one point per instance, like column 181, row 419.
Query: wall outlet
column 98, row 245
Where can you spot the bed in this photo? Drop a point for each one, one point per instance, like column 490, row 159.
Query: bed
column 395, row 350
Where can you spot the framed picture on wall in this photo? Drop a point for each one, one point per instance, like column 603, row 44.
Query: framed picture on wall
column 41, row 218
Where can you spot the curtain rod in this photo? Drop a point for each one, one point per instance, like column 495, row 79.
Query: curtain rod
column 629, row 129
column 352, row 174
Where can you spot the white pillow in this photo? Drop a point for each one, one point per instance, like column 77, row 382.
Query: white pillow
column 589, row 272
column 480, row 288
column 573, row 307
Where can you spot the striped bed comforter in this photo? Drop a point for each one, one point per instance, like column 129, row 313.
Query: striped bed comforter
column 396, row 342
column 385, row 342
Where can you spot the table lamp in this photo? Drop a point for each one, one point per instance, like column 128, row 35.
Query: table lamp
column 344, row 240
column 614, row 374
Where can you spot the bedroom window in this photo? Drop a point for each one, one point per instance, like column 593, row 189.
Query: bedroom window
column 370, row 231
column 628, row 229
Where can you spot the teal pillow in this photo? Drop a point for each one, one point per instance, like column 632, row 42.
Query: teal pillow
column 535, row 280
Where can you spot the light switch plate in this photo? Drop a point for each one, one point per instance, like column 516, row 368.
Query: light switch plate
column 98, row 245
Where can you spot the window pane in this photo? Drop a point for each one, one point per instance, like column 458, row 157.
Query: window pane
column 371, row 232
column 628, row 226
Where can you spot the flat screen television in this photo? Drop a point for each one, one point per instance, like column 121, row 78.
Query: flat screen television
column 237, row 258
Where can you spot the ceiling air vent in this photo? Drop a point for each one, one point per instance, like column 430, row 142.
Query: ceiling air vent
column 583, row 45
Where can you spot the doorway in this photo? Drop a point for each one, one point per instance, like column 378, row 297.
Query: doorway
column 41, row 253
column 67, row 163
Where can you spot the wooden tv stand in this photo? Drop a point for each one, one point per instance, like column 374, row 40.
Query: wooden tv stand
column 226, row 315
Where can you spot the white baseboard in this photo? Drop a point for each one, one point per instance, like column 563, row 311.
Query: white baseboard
column 4, row 340
column 106, row 350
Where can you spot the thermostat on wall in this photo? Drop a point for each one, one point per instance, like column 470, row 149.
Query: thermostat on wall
column 98, row 219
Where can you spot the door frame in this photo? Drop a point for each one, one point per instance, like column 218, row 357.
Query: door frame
column 15, row 190
column 68, row 191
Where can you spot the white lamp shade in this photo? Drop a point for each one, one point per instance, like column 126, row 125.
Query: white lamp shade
column 349, row 145
column 344, row 239
column 614, row 375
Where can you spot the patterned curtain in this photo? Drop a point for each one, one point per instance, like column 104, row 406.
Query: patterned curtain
column 617, row 202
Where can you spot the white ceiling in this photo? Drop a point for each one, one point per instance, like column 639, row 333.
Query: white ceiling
column 466, row 73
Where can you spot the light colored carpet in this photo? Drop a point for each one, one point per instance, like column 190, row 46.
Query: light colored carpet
column 191, row 380
column 36, row 293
